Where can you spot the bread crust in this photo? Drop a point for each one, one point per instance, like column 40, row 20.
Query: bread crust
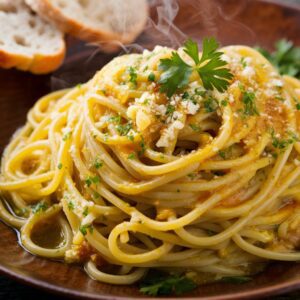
column 36, row 64
column 109, row 41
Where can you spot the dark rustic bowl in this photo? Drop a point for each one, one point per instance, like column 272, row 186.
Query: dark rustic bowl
column 232, row 22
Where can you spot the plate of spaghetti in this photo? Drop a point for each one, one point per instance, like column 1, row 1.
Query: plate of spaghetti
column 170, row 172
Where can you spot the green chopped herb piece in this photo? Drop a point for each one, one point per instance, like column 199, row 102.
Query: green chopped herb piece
column 243, row 62
column 195, row 127
column 143, row 147
column 131, row 155
column 67, row 136
column 116, row 119
column 224, row 103
column 132, row 75
column 71, row 205
column 170, row 110
column 85, row 211
column 39, row 207
column 210, row 104
column 151, row 77
column 248, row 99
column 160, row 284
column 281, row 144
column 98, row 163
column 123, row 129
column 92, row 179
column 59, row 166
column 85, row 228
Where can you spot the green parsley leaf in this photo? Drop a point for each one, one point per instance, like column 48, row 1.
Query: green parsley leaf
column 39, row 207
column 92, row 179
column 160, row 284
column 210, row 104
column 85, row 211
column 212, row 73
column 176, row 74
column 67, row 136
column 98, row 163
column 132, row 75
column 195, row 127
column 210, row 67
column 151, row 77
column 236, row 279
column 116, row 119
column 224, row 103
column 143, row 147
column 87, row 227
column 131, row 156
column 123, row 129
column 71, row 205
column 281, row 144
column 286, row 57
column 191, row 49
column 170, row 110
column 248, row 99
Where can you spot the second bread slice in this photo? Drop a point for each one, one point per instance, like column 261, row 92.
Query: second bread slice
column 109, row 23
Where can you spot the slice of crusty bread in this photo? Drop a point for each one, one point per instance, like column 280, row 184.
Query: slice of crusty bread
column 106, row 22
column 27, row 42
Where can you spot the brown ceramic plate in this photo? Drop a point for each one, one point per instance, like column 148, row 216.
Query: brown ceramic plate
column 232, row 22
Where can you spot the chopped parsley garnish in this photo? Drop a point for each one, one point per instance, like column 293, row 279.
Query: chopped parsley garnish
column 236, row 279
column 123, row 129
column 248, row 99
column 71, row 205
column 85, row 211
column 210, row 104
column 59, row 166
column 87, row 227
column 143, row 147
column 40, row 207
column 131, row 155
column 132, row 75
column 98, row 163
column 281, row 144
column 243, row 62
column 195, row 127
column 67, row 136
column 92, row 179
column 224, row 103
column 116, row 119
column 160, row 284
column 210, row 68
column 151, row 77
column 286, row 57
column 170, row 110
column 298, row 106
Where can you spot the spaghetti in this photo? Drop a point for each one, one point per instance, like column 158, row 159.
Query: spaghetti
column 205, row 182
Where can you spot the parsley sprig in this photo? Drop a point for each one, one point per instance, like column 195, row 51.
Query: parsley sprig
column 210, row 67
column 157, row 283
column 286, row 57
